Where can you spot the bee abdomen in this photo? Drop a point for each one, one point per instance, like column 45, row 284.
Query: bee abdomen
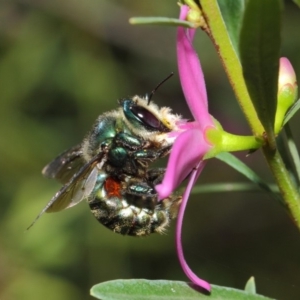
column 121, row 217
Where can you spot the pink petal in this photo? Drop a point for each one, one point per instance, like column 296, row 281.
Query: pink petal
column 189, row 273
column 286, row 73
column 187, row 151
column 191, row 75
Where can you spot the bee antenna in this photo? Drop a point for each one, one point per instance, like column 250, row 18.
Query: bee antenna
column 149, row 96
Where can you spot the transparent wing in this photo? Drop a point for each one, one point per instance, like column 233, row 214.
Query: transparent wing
column 65, row 165
column 78, row 188
column 72, row 194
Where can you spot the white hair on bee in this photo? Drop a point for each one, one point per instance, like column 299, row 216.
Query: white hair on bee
column 163, row 114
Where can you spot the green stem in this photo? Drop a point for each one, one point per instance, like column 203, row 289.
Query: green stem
column 230, row 187
column 219, row 35
column 230, row 60
column 232, row 142
column 228, row 142
column 286, row 186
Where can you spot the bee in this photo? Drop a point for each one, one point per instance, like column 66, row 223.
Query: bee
column 111, row 169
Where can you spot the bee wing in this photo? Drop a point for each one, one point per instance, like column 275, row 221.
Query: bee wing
column 71, row 194
column 78, row 188
column 65, row 165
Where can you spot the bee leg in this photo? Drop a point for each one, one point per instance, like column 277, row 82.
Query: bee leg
column 156, row 175
column 137, row 145
column 151, row 154
column 152, row 216
column 171, row 203
column 121, row 154
column 143, row 194
column 128, row 141
column 140, row 194
column 164, row 151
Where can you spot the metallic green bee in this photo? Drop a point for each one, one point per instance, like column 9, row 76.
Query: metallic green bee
column 110, row 169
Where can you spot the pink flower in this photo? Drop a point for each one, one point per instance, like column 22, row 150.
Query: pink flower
column 190, row 147
column 286, row 73
column 287, row 91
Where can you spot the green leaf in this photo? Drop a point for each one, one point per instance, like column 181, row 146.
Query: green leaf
column 230, row 187
column 232, row 13
column 283, row 148
column 142, row 289
column 242, row 168
column 293, row 149
column 160, row 21
column 259, row 53
column 297, row 2
column 291, row 112
column 250, row 286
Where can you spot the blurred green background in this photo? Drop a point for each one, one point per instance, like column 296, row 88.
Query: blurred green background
column 62, row 63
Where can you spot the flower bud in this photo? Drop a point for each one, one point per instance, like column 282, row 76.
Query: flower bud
column 287, row 91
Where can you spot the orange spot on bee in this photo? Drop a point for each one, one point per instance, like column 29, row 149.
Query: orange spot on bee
column 112, row 188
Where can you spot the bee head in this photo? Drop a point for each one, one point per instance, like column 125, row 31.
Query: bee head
column 142, row 115
column 149, row 121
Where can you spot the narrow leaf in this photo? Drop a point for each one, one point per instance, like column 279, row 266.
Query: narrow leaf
column 230, row 187
column 232, row 13
column 259, row 53
column 142, row 289
column 242, row 168
column 160, row 21
column 283, row 148
column 297, row 2
column 293, row 149
column 291, row 112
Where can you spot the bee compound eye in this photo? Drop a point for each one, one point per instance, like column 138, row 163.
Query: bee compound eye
column 141, row 116
column 148, row 119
